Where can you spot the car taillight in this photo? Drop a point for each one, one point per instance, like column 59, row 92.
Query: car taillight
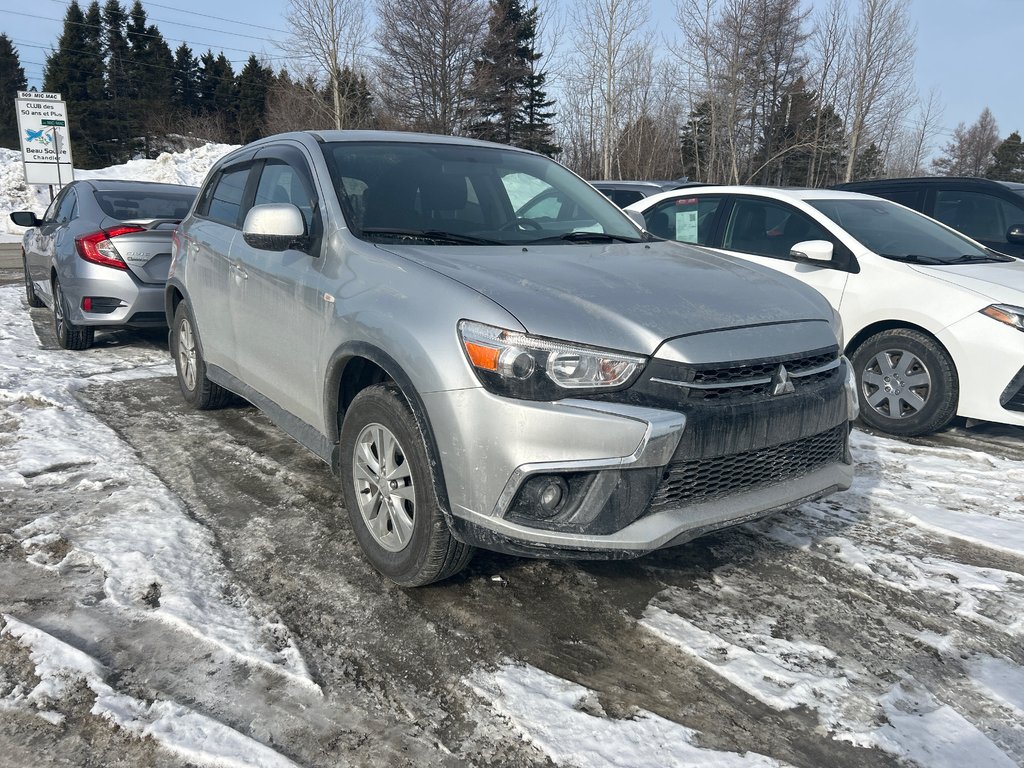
column 98, row 247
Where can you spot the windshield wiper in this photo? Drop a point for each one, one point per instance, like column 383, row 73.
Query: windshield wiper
column 584, row 237
column 913, row 258
column 436, row 235
column 978, row 258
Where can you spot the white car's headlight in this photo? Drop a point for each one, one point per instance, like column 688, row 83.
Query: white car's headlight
column 519, row 365
column 1006, row 313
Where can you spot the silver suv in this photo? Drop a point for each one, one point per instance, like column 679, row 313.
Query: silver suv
column 547, row 381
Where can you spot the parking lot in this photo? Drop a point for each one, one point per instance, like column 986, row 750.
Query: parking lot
column 182, row 587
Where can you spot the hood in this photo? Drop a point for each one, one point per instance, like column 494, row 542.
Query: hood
column 624, row 296
column 1001, row 281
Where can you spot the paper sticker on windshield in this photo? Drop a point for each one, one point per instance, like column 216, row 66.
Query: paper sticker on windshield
column 686, row 226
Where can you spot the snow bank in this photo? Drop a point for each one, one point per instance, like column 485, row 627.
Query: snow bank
column 188, row 167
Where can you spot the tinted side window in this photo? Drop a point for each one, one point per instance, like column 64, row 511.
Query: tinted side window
column 68, row 207
column 623, row 197
column 225, row 201
column 767, row 228
column 908, row 197
column 281, row 182
column 51, row 211
column 684, row 219
column 976, row 214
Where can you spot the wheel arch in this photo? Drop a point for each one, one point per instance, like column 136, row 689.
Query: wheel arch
column 868, row 331
column 358, row 365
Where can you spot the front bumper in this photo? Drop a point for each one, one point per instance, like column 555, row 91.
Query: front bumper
column 614, row 456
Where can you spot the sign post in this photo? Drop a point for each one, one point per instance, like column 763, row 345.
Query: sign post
column 45, row 142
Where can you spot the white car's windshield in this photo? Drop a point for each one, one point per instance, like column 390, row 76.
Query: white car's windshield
column 897, row 233
column 459, row 194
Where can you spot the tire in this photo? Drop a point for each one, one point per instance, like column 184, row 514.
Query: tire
column 186, row 349
column 404, row 534
column 30, row 290
column 907, row 383
column 69, row 335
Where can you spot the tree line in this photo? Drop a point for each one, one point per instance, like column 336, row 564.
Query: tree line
column 747, row 91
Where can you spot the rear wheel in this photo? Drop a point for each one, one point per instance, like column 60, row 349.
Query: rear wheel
column 198, row 391
column 30, row 289
column 907, row 383
column 389, row 492
column 69, row 335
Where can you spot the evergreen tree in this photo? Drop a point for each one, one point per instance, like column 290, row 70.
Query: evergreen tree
column 695, row 143
column 507, row 100
column 218, row 95
column 1007, row 160
column 149, row 71
column 253, row 86
column 75, row 70
column 120, row 89
column 186, row 81
column 12, row 80
column 358, row 101
column 869, row 163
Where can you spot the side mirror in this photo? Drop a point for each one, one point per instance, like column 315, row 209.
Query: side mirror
column 25, row 219
column 635, row 216
column 812, row 250
column 275, row 227
column 1014, row 234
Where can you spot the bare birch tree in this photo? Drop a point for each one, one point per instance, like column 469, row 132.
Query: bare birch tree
column 426, row 56
column 612, row 38
column 330, row 35
column 882, row 64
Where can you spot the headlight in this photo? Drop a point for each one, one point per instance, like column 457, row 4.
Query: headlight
column 518, row 365
column 852, row 398
column 1006, row 313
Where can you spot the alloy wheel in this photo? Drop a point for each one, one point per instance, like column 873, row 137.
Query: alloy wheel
column 385, row 490
column 187, row 354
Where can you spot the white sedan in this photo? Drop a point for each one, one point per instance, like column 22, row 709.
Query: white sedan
column 934, row 321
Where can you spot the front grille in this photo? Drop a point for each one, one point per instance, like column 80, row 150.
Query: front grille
column 689, row 482
column 754, row 378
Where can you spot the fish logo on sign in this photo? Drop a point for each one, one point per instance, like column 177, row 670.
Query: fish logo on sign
column 41, row 136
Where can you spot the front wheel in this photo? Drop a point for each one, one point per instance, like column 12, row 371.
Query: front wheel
column 389, row 492
column 69, row 335
column 198, row 391
column 907, row 383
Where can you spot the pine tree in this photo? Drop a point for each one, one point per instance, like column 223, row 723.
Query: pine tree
column 218, row 96
column 1007, row 160
column 120, row 90
column 12, row 80
column 253, row 86
column 185, row 97
column 869, row 163
column 508, row 103
column 149, row 71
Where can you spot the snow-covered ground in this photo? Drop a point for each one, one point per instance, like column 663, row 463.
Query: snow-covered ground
column 181, row 588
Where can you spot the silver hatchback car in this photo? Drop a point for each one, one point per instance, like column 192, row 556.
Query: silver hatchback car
column 547, row 381
column 100, row 254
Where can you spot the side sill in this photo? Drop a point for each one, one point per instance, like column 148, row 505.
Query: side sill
column 304, row 434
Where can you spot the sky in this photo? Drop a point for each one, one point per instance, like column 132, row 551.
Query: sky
column 965, row 50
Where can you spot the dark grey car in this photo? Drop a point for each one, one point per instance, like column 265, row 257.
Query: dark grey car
column 100, row 254
column 483, row 373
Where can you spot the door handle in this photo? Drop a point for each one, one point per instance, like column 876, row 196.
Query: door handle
column 241, row 273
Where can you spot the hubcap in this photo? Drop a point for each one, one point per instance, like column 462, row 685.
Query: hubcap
column 385, row 490
column 896, row 384
column 187, row 354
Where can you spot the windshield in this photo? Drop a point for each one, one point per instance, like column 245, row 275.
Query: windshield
column 895, row 232
column 452, row 194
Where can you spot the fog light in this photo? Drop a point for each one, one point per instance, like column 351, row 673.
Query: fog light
column 547, row 494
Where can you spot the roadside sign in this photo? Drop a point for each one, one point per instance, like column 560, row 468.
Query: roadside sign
column 45, row 141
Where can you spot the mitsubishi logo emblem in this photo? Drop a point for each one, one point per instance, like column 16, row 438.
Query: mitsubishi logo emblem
column 781, row 383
